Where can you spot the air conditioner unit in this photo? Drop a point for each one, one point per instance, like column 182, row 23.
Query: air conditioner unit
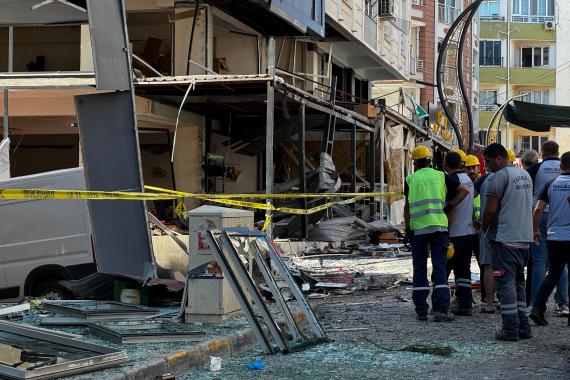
column 386, row 9
column 549, row 25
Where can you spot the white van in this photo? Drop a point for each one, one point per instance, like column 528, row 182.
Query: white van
column 44, row 241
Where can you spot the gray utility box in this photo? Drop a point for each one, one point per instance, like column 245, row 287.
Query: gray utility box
column 210, row 297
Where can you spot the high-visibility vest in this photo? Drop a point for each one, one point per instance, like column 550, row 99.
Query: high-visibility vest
column 426, row 198
column 477, row 207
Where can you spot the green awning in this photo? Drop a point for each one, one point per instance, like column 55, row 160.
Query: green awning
column 537, row 117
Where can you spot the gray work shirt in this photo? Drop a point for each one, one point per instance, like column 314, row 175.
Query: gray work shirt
column 542, row 174
column 512, row 222
column 461, row 223
column 556, row 195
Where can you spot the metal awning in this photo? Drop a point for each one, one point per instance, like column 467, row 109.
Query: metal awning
column 538, row 117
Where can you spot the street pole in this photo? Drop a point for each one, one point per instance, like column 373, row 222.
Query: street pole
column 269, row 127
column 507, row 137
column 6, row 124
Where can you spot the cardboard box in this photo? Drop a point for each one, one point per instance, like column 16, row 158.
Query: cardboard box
column 367, row 110
column 388, row 237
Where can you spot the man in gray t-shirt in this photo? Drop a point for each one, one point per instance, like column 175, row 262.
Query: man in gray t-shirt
column 507, row 222
column 556, row 195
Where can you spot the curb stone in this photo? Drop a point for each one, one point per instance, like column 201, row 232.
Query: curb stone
column 182, row 362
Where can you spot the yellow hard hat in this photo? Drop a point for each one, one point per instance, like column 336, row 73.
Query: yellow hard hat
column 450, row 251
column 461, row 154
column 472, row 160
column 511, row 153
column 420, row 152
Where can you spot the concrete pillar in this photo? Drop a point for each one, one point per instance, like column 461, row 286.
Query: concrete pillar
column 86, row 59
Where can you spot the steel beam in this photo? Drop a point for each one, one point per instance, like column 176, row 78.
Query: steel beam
column 372, row 172
column 302, row 172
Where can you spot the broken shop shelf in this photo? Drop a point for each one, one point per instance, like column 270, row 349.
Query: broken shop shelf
column 99, row 310
column 144, row 332
column 30, row 353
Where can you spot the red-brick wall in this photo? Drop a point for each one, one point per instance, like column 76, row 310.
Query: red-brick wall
column 427, row 50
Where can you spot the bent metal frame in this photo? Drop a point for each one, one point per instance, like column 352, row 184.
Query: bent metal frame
column 266, row 328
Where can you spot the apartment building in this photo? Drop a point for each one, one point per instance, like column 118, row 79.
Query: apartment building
column 204, row 74
column 522, row 54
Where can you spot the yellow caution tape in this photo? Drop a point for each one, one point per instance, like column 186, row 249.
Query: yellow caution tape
column 180, row 209
column 165, row 194
column 276, row 196
column 267, row 222
column 80, row 194
column 285, row 210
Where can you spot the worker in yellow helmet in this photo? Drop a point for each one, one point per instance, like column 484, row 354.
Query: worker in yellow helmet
column 512, row 156
column 461, row 234
column 472, row 165
column 461, row 154
column 430, row 196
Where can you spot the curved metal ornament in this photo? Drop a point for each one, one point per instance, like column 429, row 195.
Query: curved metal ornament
column 494, row 125
column 455, row 100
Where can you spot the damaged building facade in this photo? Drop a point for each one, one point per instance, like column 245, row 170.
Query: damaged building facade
column 232, row 97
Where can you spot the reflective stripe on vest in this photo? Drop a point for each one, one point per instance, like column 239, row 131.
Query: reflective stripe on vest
column 477, row 207
column 426, row 198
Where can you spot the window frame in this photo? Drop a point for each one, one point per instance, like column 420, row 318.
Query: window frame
column 483, row 58
column 485, row 6
column 533, row 142
column 533, row 55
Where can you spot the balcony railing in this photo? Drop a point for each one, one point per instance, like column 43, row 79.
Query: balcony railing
column 533, row 18
column 447, row 14
column 491, row 61
column 488, row 107
column 418, row 2
column 492, row 18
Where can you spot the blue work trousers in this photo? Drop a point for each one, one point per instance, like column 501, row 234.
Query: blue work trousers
column 508, row 270
column 540, row 264
column 437, row 243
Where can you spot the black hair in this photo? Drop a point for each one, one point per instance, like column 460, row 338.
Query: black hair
column 453, row 160
column 565, row 161
column 495, row 150
column 423, row 162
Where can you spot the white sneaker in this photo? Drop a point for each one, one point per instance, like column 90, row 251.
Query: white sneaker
column 564, row 311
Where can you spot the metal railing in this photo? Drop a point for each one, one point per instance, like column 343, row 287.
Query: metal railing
column 492, row 18
column 488, row 107
column 418, row 2
column 491, row 61
column 533, row 18
column 447, row 14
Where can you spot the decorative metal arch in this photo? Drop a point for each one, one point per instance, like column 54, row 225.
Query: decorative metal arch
column 493, row 129
column 454, row 98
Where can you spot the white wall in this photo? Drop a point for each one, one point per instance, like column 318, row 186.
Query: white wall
column 562, row 136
